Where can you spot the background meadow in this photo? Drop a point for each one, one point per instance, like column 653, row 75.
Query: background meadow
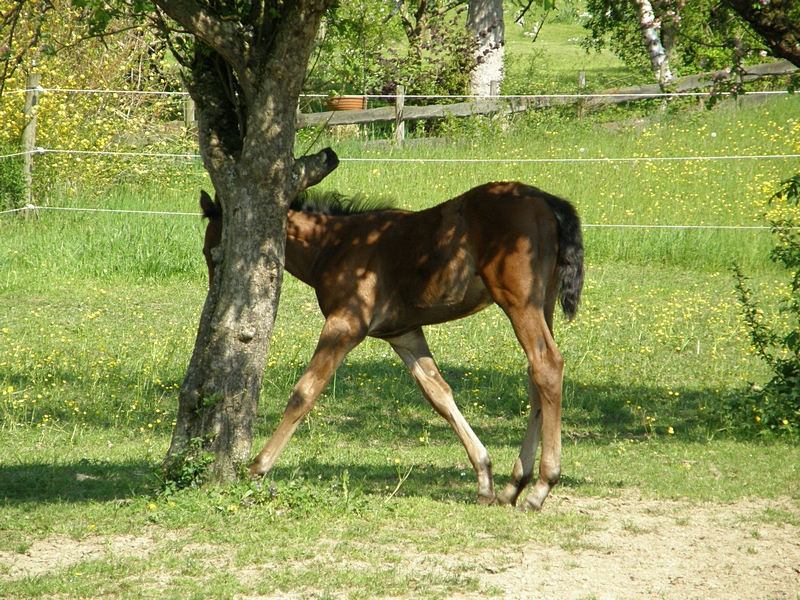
column 100, row 317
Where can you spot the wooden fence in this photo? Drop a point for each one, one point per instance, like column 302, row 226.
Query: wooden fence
column 399, row 113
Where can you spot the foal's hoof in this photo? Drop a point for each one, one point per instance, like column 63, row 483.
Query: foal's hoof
column 486, row 500
column 528, row 507
column 256, row 472
column 506, row 499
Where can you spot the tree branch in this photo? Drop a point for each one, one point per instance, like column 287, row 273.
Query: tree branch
column 310, row 170
column 224, row 36
column 773, row 22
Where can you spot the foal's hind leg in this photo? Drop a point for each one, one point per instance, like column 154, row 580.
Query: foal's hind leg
column 414, row 351
column 340, row 334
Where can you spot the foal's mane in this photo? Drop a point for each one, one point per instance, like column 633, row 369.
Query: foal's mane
column 335, row 204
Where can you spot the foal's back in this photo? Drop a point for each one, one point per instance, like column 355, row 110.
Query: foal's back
column 408, row 269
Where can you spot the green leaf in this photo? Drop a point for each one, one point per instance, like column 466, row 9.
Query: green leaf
column 791, row 341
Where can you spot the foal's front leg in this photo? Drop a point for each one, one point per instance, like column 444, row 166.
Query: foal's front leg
column 414, row 351
column 522, row 472
column 340, row 334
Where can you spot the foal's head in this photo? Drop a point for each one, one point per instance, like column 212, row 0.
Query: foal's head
column 212, row 210
column 308, row 201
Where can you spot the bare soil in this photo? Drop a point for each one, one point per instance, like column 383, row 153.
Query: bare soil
column 636, row 548
column 662, row 549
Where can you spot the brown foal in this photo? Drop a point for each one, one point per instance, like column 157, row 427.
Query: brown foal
column 387, row 273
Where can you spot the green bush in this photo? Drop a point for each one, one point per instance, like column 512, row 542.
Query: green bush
column 776, row 406
column 12, row 183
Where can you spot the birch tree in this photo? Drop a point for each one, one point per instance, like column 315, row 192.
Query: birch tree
column 485, row 23
column 655, row 49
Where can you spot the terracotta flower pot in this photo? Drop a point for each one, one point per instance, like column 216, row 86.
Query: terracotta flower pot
column 346, row 103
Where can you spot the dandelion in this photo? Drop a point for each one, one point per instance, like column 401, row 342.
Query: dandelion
column 670, row 431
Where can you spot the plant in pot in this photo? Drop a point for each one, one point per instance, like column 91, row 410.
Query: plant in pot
column 337, row 101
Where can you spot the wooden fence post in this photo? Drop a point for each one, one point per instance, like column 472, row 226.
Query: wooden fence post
column 494, row 87
column 188, row 112
column 581, row 85
column 29, row 132
column 399, row 123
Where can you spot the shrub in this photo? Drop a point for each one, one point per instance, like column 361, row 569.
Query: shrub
column 776, row 406
column 12, row 182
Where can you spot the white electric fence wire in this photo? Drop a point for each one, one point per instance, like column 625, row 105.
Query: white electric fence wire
column 119, row 92
column 625, row 159
column 31, row 207
column 575, row 160
column 17, row 154
column 34, row 208
column 620, row 94
column 112, row 153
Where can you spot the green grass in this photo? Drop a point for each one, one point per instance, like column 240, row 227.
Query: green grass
column 550, row 63
column 101, row 311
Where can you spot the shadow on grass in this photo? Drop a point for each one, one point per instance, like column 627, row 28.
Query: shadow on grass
column 455, row 484
column 426, row 480
column 81, row 481
column 496, row 406
column 395, row 415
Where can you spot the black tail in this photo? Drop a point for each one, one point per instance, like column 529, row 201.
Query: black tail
column 570, row 254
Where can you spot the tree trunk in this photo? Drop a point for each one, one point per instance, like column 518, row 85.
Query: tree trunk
column 658, row 57
column 485, row 22
column 246, row 92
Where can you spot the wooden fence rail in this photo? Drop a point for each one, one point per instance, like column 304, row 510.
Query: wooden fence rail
column 511, row 104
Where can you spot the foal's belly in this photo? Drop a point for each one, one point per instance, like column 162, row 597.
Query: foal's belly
column 393, row 320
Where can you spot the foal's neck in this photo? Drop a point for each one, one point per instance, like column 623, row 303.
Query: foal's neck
column 305, row 239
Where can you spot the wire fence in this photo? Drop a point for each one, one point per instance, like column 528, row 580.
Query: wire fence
column 579, row 96
column 604, row 159
column 33, row 208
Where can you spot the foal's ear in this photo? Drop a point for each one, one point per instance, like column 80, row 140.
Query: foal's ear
column 211, row 209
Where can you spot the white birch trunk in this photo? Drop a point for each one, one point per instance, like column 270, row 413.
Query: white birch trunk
column 485, row 22
column 658, row 56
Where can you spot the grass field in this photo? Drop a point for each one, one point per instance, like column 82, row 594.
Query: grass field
column 554, row 59
column 373, row 497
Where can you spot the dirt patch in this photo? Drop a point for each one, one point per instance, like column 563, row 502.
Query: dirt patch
column 54, row 553
column 635, row 548
column 662, row 549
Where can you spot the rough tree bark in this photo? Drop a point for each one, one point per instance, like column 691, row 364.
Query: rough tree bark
column 776, row 21
column 245, row 75
column 485, row 22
